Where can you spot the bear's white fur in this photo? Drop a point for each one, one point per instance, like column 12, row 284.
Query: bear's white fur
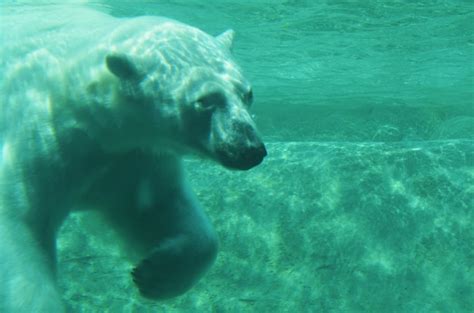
column 95, row 113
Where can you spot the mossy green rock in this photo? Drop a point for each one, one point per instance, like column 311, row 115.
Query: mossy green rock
column 318, row 227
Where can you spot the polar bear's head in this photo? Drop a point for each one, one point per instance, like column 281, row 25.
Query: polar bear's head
column 195, row 95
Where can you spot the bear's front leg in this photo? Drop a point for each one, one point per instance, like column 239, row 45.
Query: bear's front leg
column 174, row 266
column 182, row 245
column 164, row 227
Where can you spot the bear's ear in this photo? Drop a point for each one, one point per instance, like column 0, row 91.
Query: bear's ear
column 121, row 66
column 226, row 38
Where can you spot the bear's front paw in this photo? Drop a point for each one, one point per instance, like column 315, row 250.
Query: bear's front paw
column 152, row 281
column 168, row 271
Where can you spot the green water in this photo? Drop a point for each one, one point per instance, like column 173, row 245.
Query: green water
column 365, row 202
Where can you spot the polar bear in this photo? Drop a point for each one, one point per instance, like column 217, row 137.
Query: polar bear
column 96, row 113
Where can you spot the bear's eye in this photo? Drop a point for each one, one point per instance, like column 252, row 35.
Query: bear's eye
column 210, row 101
column 248, row 98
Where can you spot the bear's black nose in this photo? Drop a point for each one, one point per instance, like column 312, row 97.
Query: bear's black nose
column 253, row 157
column 256, row 155
column 244, row 159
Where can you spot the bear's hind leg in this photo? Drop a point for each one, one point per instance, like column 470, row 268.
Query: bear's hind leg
column 27, row 273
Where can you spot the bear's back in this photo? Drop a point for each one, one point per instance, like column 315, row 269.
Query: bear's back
column 58, row 29
column 41, row 43
column 62, row 31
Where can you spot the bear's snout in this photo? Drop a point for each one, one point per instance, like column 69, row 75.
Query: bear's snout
column 236, row 143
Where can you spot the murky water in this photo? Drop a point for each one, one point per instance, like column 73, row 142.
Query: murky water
column 365, row 202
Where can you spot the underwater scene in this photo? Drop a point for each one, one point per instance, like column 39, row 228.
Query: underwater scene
column 365, row 200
